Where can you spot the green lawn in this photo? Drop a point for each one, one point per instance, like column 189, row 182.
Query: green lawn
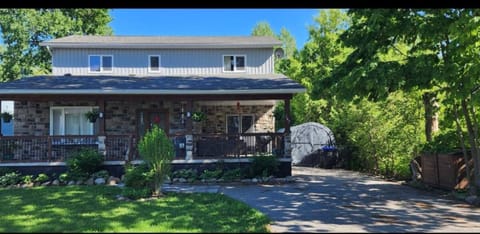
column 94, row 209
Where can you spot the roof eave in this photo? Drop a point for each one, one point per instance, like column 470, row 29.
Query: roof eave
column 147, row 92
column 152, row 45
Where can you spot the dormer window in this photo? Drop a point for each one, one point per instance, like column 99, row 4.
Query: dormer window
column 154, row 63
column 100, row 63
column 234, row 63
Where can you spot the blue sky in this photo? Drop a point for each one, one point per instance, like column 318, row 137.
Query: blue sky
column 210, row 22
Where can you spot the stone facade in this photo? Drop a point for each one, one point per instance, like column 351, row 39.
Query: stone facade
column 33, row 117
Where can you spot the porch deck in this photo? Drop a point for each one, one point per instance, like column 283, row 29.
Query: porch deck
column 25, row 149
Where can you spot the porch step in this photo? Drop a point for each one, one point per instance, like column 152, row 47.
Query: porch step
column 191, row 188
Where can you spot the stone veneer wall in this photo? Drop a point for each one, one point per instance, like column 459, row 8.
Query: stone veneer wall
column 33, row 117
column 215, row 121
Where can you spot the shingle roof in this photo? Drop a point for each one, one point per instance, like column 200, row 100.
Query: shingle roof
column 79, row 41
column 246, row 84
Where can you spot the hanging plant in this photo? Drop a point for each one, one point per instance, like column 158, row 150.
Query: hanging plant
column 198, row 116
column 7, row 117
column 92, row 116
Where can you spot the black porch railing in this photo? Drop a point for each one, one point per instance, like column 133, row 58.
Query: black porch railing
column 123, row 147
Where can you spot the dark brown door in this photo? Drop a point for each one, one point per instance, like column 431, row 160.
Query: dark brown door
column 147, row 118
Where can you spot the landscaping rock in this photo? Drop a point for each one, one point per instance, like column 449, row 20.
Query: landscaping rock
column 290, row 179
column 100, row 181
column 182, row 180
column 29, row 185
column 55, row 182
column 474, row 200
column 114, row 179
column 89, row 181
column 79, row 182
column 246, row 181
column 47, row 183
column 71, row 182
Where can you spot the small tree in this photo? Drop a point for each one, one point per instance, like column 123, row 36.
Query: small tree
column 158, row 152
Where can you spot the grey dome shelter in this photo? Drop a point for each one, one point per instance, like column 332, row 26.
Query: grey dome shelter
column 308, row 139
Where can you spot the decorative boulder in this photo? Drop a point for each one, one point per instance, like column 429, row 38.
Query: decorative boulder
column 99, row 181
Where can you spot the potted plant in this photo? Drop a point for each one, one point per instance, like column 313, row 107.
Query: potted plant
column 92, row 116
column 198, row 116
column 7, row 117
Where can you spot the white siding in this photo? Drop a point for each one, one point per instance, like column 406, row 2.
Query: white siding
column 173, row 61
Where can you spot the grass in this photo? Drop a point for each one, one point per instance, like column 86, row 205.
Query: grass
column 95, row 209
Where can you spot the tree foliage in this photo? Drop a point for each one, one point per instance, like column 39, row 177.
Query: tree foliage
column 435, row 50
column 23, row 30
column 289, row 45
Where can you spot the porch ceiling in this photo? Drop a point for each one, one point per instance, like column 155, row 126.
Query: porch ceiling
column 160, row 85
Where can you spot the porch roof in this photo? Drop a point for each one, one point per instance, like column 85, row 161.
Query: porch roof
column 158, row 85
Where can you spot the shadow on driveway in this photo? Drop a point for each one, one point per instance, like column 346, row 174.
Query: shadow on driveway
column 334, row 200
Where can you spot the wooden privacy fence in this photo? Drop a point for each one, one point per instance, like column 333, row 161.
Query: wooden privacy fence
column 444, row 170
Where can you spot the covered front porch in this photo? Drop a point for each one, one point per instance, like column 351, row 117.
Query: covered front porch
column 218, row 123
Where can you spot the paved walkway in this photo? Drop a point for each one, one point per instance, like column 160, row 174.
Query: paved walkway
column 344, row 201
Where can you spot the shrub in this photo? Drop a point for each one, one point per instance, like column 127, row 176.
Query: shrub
column 84, row 163
column 11, row 178
column 63, row 177
column 136, row 193
column 158, row 152
column 5, row 170
column 28, row 179
column 263, row 166
column 139, row 176
column 233, row 174
column 189, row 174
column 42, row 177
column 101, row 174
column 211, row 174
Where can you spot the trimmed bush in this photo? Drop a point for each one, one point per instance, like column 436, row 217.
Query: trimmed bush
column 11, row 178
column 263, row 166
column 42, row 177
column 139, row 176
column 211, row 174
column 84, row 163
column 233, row 174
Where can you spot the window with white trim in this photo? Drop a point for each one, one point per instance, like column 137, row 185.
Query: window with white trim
column 154, row 63
column 100, row 63
column 71, row 120
column 234, row 63
column 240, row 123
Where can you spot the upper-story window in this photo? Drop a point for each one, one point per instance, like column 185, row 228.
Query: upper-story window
column 100, row 63
column 234, row 63
column 154, row 63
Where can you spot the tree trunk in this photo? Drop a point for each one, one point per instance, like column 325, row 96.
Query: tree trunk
column 464, row 149
column 431, row 118
column 473, row 143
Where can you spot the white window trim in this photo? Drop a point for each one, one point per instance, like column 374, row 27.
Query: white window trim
column 101, row 63
column 234, row 63
column 159, row 63
column 62, row 121
column 240, row 121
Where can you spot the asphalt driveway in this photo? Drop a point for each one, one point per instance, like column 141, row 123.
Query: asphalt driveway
column 344, row 201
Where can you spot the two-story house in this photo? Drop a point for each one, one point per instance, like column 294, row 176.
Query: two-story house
column 215, row 97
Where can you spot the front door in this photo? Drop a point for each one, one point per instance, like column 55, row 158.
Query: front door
column 147, row 118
